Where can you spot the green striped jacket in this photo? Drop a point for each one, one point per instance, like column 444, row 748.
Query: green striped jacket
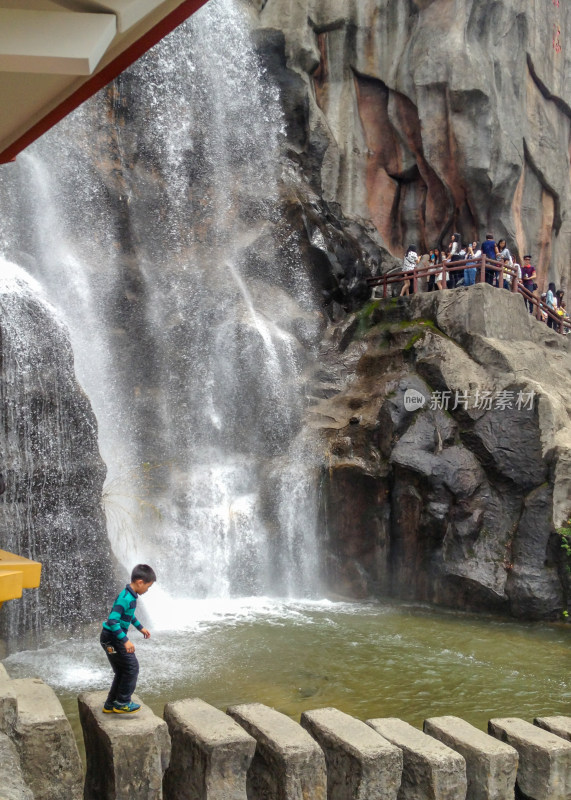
column 123, row 614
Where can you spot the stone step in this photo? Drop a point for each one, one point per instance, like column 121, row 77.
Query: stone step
column 431, row 770
column 46, row 746
column 12, row 785
column 560, row 726
column 8, row 703
column 288, row 763
column 127, row 754
column 211, row 753
column 544, row 771
column 360, row 764
column 491, row 765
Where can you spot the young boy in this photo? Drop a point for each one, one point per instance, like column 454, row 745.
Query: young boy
column 120, row 651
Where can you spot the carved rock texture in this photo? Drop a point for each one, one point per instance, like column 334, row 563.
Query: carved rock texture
column 433, row 117
column 453, row 504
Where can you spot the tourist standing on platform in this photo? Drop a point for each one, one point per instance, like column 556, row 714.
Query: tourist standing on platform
column 475, row 253
column 551, row 304
column 454, row 249
column 410, row 261
column 489, row 250
column 431, row 271
column 439, row 270
column 502, row 253
column 528, row 277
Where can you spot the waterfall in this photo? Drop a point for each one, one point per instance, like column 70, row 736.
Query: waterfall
column 153, row 219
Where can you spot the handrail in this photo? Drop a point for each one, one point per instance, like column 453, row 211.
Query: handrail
column 483, row 264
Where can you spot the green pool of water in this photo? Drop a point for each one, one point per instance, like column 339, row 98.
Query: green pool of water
column 370, row 660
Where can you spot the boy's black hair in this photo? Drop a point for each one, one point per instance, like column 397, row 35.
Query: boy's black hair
column 144, row 573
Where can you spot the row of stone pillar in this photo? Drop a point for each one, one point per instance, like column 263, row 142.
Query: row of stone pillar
column 253, row 752
column 256, row 753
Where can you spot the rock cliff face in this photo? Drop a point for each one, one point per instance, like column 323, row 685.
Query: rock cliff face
column 51, row 510
column 452, row 499
column 436, row 116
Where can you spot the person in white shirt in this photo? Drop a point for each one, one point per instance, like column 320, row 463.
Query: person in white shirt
column 410, row 261
column 473, row 252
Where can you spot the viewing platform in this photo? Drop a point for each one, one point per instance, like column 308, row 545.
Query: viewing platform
column 494, row 273
column 16, row 574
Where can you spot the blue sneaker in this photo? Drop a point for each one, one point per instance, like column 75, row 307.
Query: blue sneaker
column 125, row 708
column 107, row 708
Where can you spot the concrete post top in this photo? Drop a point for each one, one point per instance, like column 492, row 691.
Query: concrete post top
column 37, row 702
column 519, row 729
column 270, row 727
column 560, row 726
column 410, row 739
column 141, row 722
column 355, row 735
column 204, row 722
column 469, row 736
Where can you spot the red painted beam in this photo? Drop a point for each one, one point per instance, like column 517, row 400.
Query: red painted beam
column 102, row 78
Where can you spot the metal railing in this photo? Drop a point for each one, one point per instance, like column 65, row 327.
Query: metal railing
column 483, row 265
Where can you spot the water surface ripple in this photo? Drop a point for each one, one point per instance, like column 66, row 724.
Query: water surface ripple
column 370, row 660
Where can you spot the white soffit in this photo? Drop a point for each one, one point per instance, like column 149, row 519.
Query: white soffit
column 128, row 12
column 53, row 42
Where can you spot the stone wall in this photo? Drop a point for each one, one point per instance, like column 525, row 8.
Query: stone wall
column 256, row 753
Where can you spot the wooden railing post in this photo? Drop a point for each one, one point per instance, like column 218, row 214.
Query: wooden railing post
column 483, row 269
column 414, row 280
column 384, row 287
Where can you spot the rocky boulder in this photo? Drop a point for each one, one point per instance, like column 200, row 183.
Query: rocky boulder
column 51, row 509
column 453, row 498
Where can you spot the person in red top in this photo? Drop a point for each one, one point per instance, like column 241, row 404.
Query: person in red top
column 528, row 277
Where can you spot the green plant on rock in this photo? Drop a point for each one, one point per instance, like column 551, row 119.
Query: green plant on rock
column 564, row 533
column 565, row 541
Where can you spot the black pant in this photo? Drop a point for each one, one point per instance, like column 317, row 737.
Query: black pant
column 124, row 665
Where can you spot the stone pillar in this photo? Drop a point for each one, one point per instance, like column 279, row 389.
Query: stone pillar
column 544, row 771
column 48, row 753
column 8, row 704
column 491, row 765
column 560, row 726
column 431, row 771
column 12, row 786
column 211, row 753
column 360, row 764
column 127, row 754
column 288, row 763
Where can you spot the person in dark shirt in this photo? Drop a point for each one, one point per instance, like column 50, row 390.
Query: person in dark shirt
column 488, row 248
column 528, row 277
column 118, row 649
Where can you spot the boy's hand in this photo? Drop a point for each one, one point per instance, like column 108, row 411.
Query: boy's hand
column 129, row 646
column 146, row 633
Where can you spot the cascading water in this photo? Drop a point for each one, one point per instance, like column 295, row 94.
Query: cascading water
column 151, row 218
